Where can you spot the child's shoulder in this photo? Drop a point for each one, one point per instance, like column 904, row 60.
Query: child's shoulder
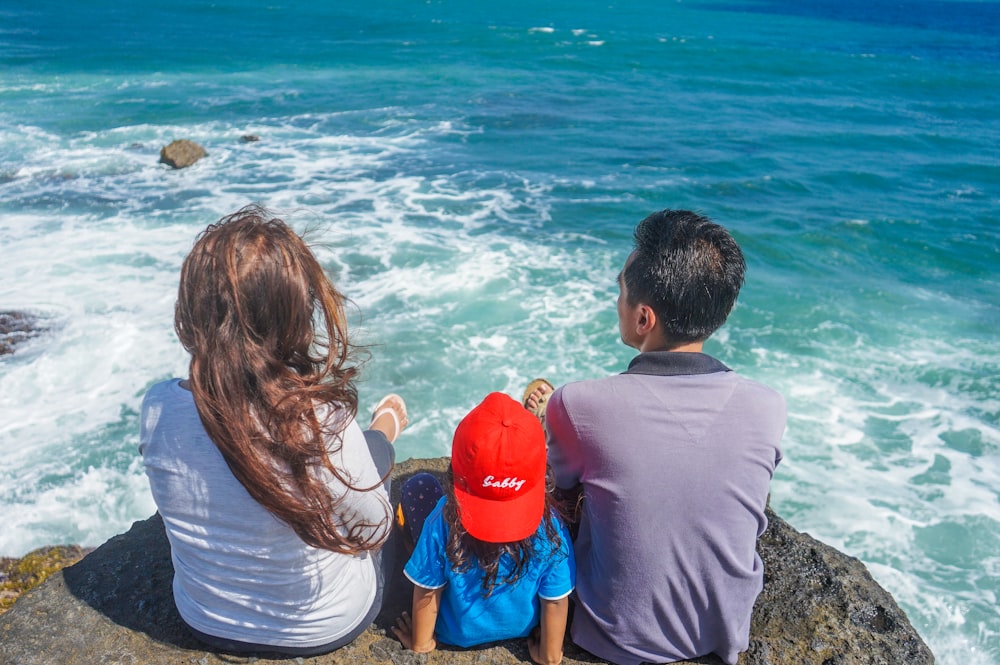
column 438, row 510
column 435, row 521
column 559, row 540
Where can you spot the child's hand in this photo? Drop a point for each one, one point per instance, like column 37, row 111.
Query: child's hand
column 536, row 652
column 403, row 630
column 534, row 645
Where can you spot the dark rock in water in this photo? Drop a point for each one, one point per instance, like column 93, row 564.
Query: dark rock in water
column 115, row 606
column 18, row 327
column 249, row 138
column 181, row 153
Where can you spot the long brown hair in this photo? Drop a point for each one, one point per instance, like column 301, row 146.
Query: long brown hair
column 267, row 335
column 466, row 552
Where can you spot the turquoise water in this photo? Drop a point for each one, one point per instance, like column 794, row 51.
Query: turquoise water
column 471, row 176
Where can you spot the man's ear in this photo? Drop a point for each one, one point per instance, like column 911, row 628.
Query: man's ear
column 646, row 320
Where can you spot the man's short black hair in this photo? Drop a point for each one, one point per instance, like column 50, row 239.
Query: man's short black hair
column 688, row 270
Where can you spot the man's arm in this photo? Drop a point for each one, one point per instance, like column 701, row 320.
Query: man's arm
column 565, row 456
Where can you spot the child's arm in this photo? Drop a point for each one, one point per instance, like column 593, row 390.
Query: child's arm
column 418, row 634
column 547, row 648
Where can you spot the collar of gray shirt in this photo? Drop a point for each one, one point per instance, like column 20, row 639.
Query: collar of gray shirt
column 674, row 363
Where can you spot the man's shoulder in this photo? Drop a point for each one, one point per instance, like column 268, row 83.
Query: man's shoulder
column 587, row 390
column 759, row 391
column 585, row 386
column 594, row 393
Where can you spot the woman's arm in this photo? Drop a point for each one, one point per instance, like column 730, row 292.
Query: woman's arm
column 363, row 506
column 418, row 634
column 547, row 648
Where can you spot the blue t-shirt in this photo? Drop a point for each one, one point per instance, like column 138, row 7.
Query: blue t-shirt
column 512, row 610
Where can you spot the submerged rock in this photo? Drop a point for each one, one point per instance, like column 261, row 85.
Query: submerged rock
column 181, row 153
column 818, row 607
column 16, row 328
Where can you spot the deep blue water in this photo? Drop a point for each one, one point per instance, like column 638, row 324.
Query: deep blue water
column 472, row 175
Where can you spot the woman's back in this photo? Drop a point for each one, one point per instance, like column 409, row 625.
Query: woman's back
column 240, row 573
column 274, row 501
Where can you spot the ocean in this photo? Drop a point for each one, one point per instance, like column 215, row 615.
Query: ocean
column 470, row 174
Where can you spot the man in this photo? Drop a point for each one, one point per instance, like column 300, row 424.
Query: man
column 673, row 458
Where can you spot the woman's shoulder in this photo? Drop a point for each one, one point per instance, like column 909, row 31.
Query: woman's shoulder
column 164, row 391
column 166, row 386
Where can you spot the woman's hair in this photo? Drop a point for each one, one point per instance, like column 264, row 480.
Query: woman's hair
column 466, row 552
column 267, row 335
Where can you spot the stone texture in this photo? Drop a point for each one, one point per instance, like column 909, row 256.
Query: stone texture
column 115, row 606
column 16, row 328
column 20, row 575
column 181, row 153
column 821, row 606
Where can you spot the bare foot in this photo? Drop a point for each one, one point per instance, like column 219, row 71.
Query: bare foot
column 390, row 417
column 536, row 397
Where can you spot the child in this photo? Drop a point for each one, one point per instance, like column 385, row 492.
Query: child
column 492, row 560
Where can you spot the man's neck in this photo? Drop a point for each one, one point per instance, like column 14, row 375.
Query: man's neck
column 649, row 345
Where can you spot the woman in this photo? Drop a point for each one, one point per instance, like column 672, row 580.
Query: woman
column 275, row 502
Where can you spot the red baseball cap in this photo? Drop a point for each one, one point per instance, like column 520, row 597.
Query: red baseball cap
column 498, row 466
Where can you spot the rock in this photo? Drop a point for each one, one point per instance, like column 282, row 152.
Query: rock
column 822, row 606
column 115, row 606
column 16, row 328
column 18, row 576
column 181, row 153
column 249, row 138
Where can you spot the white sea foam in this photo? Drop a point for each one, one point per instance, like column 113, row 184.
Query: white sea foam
column 896, row 435
column 83, row 507
column 417, row 253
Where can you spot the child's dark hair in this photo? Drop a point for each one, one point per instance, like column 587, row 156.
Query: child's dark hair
column 466, row 552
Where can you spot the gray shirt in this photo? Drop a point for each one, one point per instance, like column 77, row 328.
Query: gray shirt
column 675, row 457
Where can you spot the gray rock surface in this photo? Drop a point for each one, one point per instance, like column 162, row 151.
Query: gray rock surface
column 115, row 606
column 16, row 328
column 181, row 153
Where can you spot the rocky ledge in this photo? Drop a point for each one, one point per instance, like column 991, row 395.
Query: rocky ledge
column 115, row 606
column 20, row 575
